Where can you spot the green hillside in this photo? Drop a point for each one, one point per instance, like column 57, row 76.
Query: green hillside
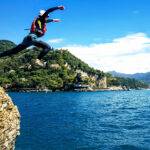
column 5, row 44
column 61, row 72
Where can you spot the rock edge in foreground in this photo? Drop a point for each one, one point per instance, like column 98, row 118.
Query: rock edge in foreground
column 9, row 122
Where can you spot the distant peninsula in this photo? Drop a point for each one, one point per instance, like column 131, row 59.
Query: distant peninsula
column 62, row 72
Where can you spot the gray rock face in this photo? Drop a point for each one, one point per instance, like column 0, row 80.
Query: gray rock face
column 9, row 122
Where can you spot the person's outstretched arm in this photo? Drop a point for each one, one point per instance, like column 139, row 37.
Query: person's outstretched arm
column 52, row 9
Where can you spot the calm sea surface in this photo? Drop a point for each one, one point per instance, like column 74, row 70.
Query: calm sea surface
column 84, row 121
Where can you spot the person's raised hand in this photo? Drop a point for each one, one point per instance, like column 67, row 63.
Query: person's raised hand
column 56, row 20
column 61, row 7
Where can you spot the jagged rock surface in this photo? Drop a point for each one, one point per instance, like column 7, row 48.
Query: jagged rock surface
column 9, row 122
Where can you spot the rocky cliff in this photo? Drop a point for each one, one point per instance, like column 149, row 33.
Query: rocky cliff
column 9, row 122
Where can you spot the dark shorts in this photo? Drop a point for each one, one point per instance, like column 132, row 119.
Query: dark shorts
column 31, row 39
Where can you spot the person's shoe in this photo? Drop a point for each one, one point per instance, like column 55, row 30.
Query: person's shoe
column 40, row 63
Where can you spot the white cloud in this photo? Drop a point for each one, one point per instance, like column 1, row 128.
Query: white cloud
column 129, row 54
column 55, row 41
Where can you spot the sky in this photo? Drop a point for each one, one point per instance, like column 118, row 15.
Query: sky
column 106, row 34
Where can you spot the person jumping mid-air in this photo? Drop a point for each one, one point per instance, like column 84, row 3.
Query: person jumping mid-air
column 38, row 29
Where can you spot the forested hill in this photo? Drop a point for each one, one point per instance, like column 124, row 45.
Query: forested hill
column 5, row 44
column 61, row 72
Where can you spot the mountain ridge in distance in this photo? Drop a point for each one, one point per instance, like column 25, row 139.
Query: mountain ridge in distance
column 139, row 76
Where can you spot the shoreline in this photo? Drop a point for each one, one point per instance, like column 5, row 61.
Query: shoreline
column 74, row 89
column 52, row 91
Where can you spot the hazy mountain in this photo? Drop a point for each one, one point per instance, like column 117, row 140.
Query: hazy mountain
column 139, row 76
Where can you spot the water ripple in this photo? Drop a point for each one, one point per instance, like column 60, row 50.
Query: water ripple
column 84, row 121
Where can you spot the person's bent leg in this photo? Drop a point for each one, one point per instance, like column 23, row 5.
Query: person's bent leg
column 27, row 41
column 46, row 48
column 13, row 51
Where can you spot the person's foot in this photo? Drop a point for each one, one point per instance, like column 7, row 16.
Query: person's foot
column 40, row 63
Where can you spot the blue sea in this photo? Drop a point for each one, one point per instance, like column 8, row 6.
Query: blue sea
column 84, row 120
